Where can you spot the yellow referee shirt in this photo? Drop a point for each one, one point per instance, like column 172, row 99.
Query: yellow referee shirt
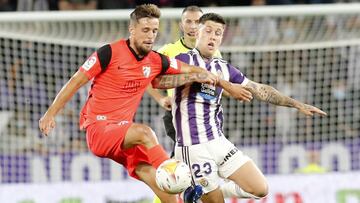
column 173, row 49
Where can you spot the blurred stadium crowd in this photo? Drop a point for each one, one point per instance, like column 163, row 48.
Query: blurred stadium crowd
column 36, row 5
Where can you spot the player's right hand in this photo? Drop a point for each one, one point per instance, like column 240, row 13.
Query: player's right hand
column 309, row 110
column 46, row 124
column 240, row 93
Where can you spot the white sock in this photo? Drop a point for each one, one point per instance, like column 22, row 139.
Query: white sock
column 230, row 189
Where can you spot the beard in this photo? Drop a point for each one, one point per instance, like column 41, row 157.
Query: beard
column 142, row 50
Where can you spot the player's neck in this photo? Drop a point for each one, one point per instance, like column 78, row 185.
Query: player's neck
column 205, row 57
column 136, row 52
column 133, row 49
column 188, row 43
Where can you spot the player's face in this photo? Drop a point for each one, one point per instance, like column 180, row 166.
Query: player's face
column 209, row 37
column 190, row 23
column 143, row 34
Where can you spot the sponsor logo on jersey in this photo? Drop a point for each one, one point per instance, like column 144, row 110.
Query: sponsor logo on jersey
column 146, row 71
column 131, row 86
column 90, row 62
column 101, row 118
column 123, row 122
column 229, row 155
column 206, row 91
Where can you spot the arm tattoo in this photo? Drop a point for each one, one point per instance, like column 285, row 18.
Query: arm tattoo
column 271, row 95
column 172, row 81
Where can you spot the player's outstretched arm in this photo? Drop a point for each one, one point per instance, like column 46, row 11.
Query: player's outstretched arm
column 47, row 122
column 271, row 95
column 163, row 101
column 172, row 81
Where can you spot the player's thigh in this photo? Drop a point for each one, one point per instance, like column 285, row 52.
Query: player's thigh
column 228, row 157
column 139, row 134
column 250, row 179
column 214, row 196
column 104, row 139
column 203, row 168
column 241, row 169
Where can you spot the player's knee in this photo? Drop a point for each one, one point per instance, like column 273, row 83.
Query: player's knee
column 145, row 135
column 261, row 190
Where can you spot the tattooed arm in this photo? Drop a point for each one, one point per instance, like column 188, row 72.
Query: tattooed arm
column 269, row 94
column 172, row 81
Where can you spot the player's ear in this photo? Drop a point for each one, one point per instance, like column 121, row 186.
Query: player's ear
column 131, row 28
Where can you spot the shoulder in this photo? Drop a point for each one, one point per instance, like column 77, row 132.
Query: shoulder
column 184, row 57
column 104, row 55
column 156, row 56
column 116, row 48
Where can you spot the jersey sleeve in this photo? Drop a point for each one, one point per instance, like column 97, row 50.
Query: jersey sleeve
column 91, row 67
column 236, row 76
column 169, row 65
column 175, row 66
column 97, row 62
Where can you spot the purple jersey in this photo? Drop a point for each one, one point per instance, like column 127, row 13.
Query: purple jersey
column 197, row 113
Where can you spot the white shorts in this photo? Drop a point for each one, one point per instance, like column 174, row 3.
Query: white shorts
column 212, row 161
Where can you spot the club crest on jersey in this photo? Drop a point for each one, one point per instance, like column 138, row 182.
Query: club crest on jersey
column 89, row 63
column 146, row 71
column 204, row 182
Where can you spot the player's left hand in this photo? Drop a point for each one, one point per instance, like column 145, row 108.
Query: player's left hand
column 165, row 102
column 309, row 110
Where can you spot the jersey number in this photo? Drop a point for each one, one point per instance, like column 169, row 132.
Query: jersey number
column 197, row 169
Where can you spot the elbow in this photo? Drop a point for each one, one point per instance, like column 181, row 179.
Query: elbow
column 79, row 79
column 155, row 85
column 79, row 83
column 158, row 86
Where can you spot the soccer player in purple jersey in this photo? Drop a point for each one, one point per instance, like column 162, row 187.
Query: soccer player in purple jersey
column 198, row 121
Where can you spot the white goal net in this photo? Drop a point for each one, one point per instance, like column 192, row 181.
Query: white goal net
column 308, row 52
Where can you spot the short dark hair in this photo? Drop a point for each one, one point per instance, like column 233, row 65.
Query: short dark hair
column 192, row 9
column 145, row 11
column 213, row 17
